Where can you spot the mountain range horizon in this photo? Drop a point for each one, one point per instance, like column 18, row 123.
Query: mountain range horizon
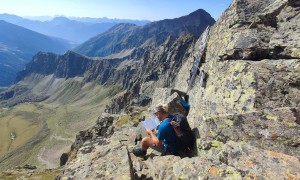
column 78, row 18
column 75, row 22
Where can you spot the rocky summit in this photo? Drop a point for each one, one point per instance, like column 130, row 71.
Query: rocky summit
column 245, row 112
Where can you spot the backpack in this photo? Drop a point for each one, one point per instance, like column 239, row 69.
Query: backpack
column 185, row 139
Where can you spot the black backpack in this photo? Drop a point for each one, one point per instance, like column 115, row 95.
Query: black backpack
column 185, row 139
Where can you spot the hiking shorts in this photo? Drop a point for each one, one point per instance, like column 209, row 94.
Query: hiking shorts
column 161, row 149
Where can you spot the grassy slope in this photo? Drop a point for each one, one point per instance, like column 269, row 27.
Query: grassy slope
column 30, row 174
column 72, row 106
column 22, row 121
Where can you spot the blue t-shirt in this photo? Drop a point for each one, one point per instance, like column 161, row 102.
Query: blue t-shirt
column 167, row 135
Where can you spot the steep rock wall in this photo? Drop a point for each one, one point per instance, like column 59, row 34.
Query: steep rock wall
column 252, row 84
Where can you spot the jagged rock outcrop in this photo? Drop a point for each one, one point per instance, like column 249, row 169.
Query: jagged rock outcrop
column 69, row 65
column 100, row 152
column 103, row 128
column 255, row 31
column 241, row 84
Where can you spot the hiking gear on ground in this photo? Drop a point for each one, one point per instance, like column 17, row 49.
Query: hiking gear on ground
column 185, row 139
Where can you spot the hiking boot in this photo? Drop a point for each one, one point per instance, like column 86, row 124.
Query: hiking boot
column 139, row 152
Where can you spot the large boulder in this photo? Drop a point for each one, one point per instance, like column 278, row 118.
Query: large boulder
column 165, row 96
column 103, row 128
column 274, row 130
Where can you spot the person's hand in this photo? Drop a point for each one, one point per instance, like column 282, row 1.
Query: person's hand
column 175, row 124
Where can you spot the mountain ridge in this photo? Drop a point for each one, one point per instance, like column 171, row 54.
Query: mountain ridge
column 136, row 35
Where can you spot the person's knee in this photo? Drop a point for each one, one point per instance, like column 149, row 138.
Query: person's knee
column 147, row 141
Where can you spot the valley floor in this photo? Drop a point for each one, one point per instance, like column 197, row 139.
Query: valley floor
column 38, row 133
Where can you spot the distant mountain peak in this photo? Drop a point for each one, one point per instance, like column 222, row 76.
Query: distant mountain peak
column 128, row 36
column 197, row 12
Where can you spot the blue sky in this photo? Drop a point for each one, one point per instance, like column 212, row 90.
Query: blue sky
column 122, row 9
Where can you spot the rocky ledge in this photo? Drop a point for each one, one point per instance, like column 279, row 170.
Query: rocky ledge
column 232, row 147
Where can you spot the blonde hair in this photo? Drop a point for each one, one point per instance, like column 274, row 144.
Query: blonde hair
column 164, row 108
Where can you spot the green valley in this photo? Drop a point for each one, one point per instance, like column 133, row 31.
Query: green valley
column 38, row 133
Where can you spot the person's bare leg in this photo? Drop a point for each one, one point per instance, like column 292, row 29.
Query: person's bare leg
column 146, row 143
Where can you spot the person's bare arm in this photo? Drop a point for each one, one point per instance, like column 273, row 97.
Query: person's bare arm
column 155, row 140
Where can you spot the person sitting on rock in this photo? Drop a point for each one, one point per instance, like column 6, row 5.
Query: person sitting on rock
column 165, row 140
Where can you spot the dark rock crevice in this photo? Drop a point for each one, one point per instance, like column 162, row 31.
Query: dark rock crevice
column 251, row 54
column 256, row 54
column 296, row 115
column 294, row 3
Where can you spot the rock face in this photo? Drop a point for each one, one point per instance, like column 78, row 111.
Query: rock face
column 251, row 94
column 256, row 30
column 99, row 153
column 253, row 76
